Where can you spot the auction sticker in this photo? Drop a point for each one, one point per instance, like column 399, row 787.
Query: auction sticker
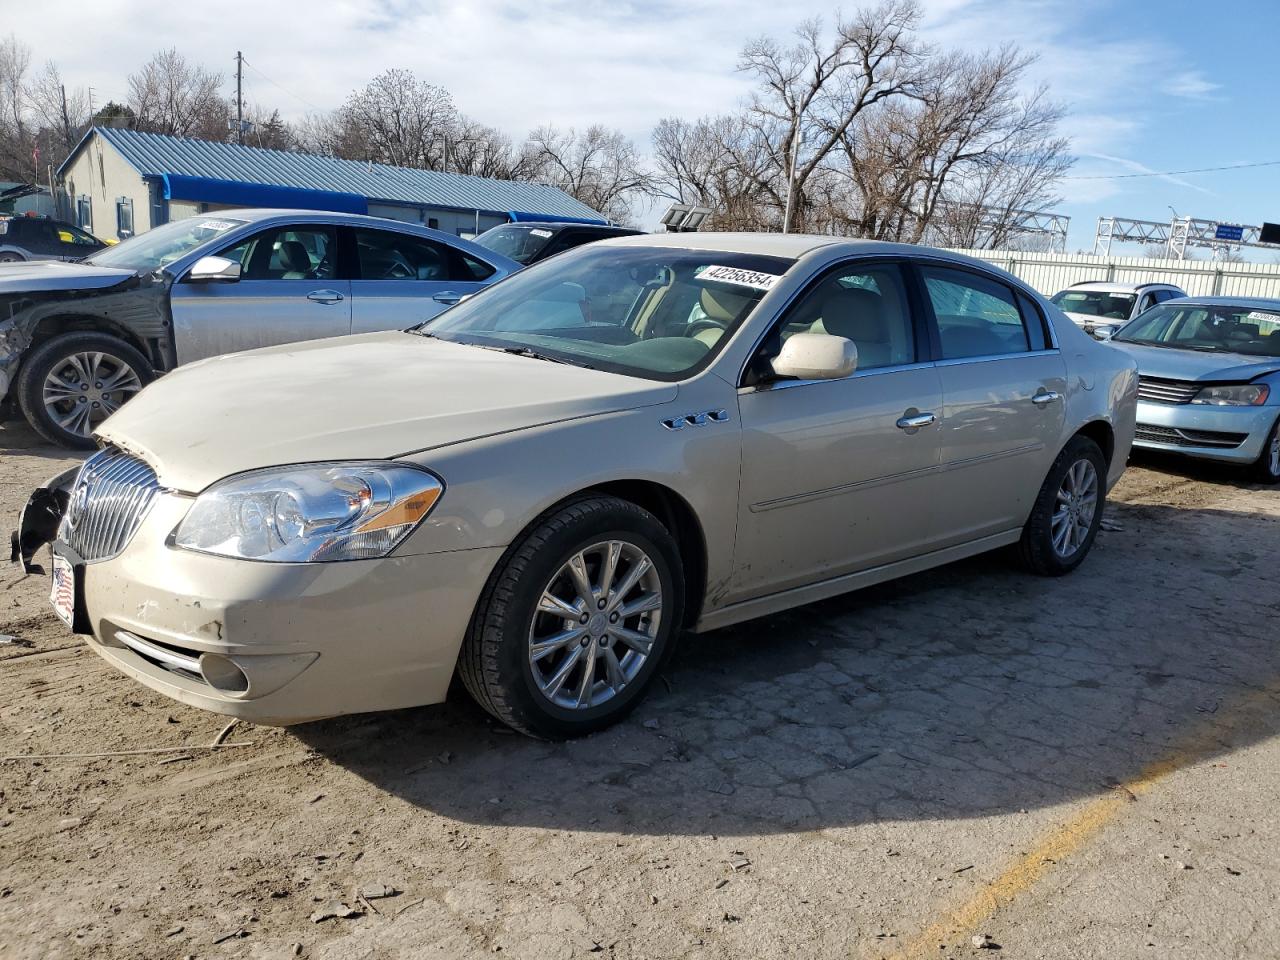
column 742, row 278
column 539, row 232
column 1264, row 317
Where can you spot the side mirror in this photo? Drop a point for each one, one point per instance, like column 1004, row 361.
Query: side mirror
column 816, row 356
column 1103, row 332
column 215, row 270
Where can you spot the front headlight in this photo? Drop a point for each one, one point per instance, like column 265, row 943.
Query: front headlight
column 1234, row 395
column 324, row 511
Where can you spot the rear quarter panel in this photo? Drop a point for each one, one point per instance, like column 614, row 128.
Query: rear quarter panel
column 1102, row 384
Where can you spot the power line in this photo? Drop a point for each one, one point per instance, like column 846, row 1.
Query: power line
column 1175, row 173
column 280, row 87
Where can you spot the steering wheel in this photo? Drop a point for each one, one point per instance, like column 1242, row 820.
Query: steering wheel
column 705, row 323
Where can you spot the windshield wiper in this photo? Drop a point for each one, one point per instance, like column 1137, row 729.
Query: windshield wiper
column 539, row 355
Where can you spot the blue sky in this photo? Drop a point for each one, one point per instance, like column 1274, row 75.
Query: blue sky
column 1165, row 85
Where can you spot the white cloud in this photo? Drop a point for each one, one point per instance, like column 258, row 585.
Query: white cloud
column 1191, row 84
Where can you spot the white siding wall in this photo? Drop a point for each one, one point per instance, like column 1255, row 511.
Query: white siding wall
column 102, row 174
column 1050, row 272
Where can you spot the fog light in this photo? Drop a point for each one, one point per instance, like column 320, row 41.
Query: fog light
column 222, row 674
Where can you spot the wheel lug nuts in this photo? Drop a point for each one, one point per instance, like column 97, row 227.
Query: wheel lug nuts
column 584, row 618
column 613, row 618
column 585, row 641
column 600, row 604
column 95, row 404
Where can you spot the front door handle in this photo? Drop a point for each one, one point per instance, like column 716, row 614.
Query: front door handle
column 916, row 421
column 447, row 297
column 1048, row 396
column 324, row 296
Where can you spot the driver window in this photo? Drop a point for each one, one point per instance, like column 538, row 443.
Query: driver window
column 865, row 303
column 287, row 253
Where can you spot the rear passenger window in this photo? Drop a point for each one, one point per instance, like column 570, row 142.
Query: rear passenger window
column 976, row 317
column 865, row 303
column 384, row 255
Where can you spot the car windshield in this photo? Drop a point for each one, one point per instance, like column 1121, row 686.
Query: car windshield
column 520, row 243
column 163, row 245
column 1096, row 303
column 654, row 312
column 1226, row 329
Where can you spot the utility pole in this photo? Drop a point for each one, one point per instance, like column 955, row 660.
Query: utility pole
column 791, row 179
column 239, row 99
column 66, row 122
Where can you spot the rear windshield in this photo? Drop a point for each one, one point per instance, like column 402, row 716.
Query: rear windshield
column 1096, row 303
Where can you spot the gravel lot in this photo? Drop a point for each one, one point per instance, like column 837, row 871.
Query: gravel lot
column 1075, row 768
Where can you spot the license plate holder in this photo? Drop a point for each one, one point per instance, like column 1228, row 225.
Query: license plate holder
column 62, row 590
column 66, row 588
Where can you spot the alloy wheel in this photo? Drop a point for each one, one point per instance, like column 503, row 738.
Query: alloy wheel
column 595, row 625
column 1076, row 503
column 1273, row 459
column 83, row 389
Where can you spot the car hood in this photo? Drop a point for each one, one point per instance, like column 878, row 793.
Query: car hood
column 1173, row 364
column 34, row 276
column 374, row 396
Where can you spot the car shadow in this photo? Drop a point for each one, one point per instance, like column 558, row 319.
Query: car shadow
column 967, row 691
column 17, row 438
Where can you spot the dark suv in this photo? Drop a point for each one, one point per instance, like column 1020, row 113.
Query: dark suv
column 39, row 238
column 528, row 243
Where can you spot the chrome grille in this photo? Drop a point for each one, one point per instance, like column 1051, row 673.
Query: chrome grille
column 109, row 500
column 1167, row 391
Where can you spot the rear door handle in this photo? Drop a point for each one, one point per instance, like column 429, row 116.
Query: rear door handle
column 1048, row 396
column 447, row 297
column 324, row 296
column 916, row 421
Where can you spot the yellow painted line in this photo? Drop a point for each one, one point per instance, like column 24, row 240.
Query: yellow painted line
column 957, row 924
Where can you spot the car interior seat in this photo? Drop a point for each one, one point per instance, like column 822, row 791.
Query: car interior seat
column 723, row 306
column 859, row 315
column 295, row 260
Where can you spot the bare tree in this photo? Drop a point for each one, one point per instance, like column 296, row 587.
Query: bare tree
column 811, row 94
column 61, row 113
column 173, row 96
column 598, row 166
column 717, row 162
column 396, row 119
column 16, row 161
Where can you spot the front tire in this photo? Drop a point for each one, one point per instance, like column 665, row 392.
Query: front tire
column 72, row 382
column 1068, row 510
column 1266, row 469
column 10, row 257
column 576, row 620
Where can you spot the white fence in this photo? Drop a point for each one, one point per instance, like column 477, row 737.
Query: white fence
column 1051, row 272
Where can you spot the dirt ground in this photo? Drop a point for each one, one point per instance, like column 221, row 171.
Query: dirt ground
column 1073, row 768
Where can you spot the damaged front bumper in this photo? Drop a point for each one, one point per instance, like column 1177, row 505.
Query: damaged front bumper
column 272, row 643
column 40, row 518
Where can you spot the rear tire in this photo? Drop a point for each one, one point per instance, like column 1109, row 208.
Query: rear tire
column 534, row 625
column 1266, row 469
column 109, row 373
column 10, row 257
column 1068, row 510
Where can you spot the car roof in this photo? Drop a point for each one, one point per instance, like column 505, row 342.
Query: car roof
column 1261, row 303
column 1107, row 286
column 791, row 245
column 567, row 224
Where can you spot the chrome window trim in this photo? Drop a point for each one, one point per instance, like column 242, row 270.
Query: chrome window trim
column 989, row 357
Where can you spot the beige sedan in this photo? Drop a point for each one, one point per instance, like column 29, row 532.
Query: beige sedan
column 543, row 487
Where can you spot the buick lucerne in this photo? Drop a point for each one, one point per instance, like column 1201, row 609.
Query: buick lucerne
column 541, row 488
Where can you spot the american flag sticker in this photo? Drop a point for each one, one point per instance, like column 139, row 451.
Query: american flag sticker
column 63, row 593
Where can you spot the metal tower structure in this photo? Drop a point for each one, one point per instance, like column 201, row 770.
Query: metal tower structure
column 1032, row 230
column 1178, row 234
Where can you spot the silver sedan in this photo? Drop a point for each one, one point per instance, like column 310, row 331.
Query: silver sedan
column 544, row 486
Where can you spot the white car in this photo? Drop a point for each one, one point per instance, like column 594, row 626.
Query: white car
column 1098, row 303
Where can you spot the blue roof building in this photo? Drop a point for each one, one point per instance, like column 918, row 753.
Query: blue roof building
column 119, row 182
